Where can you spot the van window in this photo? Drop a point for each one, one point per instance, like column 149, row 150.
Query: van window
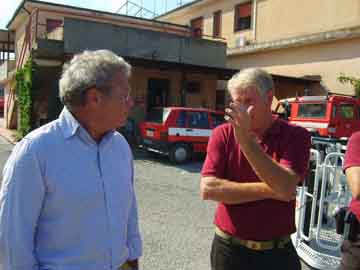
column 181, row 121
column 217, row 119
column 158, row 115
column 312, row 110
column 346, row 111
column 198, row 120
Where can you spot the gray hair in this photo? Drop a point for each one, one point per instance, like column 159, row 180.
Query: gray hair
column 255, row 77
column 86, row 70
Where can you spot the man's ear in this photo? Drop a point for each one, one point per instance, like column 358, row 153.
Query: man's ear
column 93, row 97
column 269, row 96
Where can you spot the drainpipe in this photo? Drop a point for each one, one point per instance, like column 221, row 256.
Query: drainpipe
column 183, row 89
column 255, row 19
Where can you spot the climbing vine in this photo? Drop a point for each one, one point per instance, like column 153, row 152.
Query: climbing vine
column 24, row 93
column 355, row 82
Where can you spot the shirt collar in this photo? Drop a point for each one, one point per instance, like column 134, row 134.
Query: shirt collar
column 70, row 126
column 274, row 129
column 68, row 123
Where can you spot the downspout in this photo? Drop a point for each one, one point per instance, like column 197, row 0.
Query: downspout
column 255, row 19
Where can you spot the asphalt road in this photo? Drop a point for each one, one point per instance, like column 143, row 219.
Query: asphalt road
column 176, row 225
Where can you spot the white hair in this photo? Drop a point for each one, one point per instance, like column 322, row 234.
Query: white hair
column 254, row 77
column 86, row 70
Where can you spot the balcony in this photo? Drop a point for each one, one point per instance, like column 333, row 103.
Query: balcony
column 149, row 40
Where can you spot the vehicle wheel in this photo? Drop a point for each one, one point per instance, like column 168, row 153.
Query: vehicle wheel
column 180, row 153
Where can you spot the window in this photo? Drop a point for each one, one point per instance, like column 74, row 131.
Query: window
column 217, row 24
column 312, row 110
column 197, row 27
column 217, row 119
column 52, row 24
column 242, row 16
column 346, row 111
column 158, row 115
column 198, row 120
column 181, row 121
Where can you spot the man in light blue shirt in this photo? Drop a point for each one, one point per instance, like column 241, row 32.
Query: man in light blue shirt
column 67, row 200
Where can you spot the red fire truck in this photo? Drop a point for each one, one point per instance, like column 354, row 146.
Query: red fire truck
column 332, row 116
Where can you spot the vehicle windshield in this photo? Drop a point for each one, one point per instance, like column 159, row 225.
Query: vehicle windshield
column 312, row 110
column 158, row 115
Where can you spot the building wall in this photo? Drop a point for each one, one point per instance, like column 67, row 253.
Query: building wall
column 279, row 19
column 58, row 13
column 139, row 89
column 326, row 60
column 273, row 19
column 206, row 10
column 46, row 105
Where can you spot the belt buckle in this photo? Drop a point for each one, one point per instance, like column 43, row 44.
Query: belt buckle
column 254, row 245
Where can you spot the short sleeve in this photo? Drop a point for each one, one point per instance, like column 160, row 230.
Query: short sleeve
column 297, row 153
column 214, row 164
column 352, row 155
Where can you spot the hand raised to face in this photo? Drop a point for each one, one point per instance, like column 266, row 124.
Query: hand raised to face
column 239, row 116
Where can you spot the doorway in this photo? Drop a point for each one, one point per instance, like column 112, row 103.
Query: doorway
column 158, row 92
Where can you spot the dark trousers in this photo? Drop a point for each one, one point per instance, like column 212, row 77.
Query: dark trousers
column 225, row 256
column 350, row 255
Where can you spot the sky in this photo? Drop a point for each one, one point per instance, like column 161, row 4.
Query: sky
column 8, row 7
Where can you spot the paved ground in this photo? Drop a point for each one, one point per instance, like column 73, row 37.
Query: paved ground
column 176, row 225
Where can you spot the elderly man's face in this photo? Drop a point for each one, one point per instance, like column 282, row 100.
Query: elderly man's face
column 250, row 96
column 117, row 105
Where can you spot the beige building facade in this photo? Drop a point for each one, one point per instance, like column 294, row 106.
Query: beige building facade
column 314, row 39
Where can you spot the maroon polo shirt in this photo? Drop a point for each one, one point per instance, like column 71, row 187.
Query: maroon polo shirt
column 352, row 159
column 264, row 219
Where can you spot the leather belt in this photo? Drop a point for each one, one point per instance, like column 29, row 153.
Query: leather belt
column 251, row 244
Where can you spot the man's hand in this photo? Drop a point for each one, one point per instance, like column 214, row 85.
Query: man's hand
column 239, row 116
column 209, row 185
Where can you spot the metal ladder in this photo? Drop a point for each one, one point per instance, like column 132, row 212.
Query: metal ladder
column 318, row 199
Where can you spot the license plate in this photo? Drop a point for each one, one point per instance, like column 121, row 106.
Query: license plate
column 150, row 133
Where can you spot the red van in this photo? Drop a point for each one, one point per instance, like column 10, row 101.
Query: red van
column 332, row 116
column 178, row 131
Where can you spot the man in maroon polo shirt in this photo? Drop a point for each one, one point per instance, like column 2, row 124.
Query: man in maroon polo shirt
column 351, row 249
column 252, row 168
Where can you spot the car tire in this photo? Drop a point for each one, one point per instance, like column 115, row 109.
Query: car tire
column 180, row 153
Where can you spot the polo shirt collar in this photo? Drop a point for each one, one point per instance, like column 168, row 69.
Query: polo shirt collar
column 274, row 129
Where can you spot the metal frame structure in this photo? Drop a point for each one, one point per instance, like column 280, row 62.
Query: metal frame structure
column 137, row 9
column 316, row 240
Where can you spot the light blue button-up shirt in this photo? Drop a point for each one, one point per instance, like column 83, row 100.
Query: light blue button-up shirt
column 68, row 203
